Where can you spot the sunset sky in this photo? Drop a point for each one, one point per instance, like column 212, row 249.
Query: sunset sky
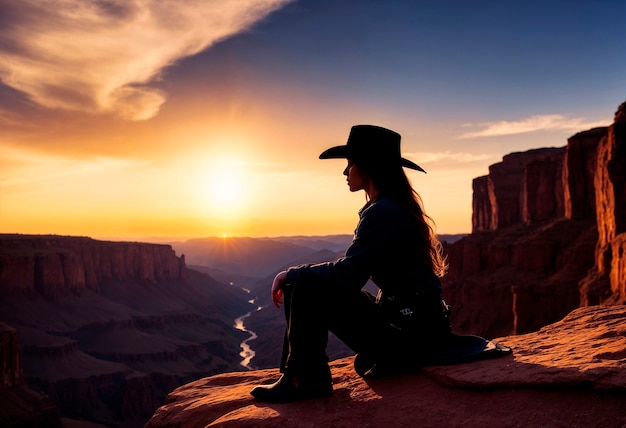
column 136, row 119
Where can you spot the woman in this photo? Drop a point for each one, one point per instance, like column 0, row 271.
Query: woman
column 394, row 246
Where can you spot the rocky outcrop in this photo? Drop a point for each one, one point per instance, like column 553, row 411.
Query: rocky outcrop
column 606, row 283
column 10, row 361
column 571, row 373
column 548, row 236
column 20, row 406
column 523, row 187
column 55, row 265
column 581, row 163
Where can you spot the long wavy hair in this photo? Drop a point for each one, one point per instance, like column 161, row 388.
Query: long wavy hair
column 392, row 182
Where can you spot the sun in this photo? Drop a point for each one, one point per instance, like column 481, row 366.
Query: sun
column 226, row 188
column 221, row 188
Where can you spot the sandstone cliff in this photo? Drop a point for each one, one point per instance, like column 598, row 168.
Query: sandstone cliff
column 606, row 282
column 55, row 265
column 570, row 374
column 106, row 329
column 548, row 236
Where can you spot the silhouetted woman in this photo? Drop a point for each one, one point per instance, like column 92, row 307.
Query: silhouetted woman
column 406, row 324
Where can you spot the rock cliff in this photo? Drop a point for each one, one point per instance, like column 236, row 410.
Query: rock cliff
column 106, row 329
column 571, row 373
column 56, row 265
column 606, row 282
column 548, row 236
column 20, row 406
column 524, row 187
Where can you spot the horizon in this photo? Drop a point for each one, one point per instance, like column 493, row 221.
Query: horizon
column 137, row 119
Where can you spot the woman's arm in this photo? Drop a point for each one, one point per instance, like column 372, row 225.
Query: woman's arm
column 354, row 269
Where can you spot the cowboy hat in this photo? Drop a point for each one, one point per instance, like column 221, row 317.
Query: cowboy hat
column 371, row 143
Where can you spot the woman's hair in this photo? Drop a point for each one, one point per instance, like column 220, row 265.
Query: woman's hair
column 392, row 182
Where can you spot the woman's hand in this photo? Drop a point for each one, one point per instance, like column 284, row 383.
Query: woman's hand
column 277, row 288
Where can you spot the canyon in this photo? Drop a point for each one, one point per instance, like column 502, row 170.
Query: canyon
column 104, row 330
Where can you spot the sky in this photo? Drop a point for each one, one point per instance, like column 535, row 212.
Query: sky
column 172, row 119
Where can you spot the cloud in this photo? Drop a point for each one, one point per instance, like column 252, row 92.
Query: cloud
column 447, row 157
column 550, row 122
column 101, row 55
column 19, row 166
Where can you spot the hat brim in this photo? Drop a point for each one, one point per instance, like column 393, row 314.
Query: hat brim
column 343, row 152
column 338, row 152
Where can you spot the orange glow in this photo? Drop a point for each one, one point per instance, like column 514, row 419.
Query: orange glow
column 220, row 185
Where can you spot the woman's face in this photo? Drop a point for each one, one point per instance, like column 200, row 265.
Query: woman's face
column 356, row 179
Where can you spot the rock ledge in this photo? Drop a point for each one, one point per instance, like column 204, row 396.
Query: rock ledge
column 571, row 373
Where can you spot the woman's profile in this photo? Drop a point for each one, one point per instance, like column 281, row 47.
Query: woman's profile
column 406, row 324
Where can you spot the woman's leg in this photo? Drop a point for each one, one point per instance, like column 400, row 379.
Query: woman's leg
column 306, row 334
column 358, row 322
column 354, row 318
column 304, row 363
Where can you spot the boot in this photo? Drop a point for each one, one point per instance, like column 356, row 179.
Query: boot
column 294, row 388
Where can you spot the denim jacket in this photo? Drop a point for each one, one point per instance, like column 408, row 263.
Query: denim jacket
column 385, row 248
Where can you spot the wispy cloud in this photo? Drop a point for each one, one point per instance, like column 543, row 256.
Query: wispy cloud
column 19, row 166
column 447, row 157
column 549, row 122
column 101, row 55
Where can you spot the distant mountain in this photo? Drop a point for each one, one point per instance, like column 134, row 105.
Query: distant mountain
column 327, row 242
column 450, row 238
column 252, row 257
column 242, row 259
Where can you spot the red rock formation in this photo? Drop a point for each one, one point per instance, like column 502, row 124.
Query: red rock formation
column 106, row 329
column 56, row 265
column 10, row 362
column 19, row 405
column 542, row 188
column 524, row 186
column 579, row 170
column 543, row 210
column 548, row 236
column 481, row 204
column 571, row 373
column 519, row 278
column 607, row 282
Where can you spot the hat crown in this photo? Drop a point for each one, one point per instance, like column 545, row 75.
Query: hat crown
column 369, row 142
column 373, row 145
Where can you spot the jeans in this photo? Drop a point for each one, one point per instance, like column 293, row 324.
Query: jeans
column 364, row 324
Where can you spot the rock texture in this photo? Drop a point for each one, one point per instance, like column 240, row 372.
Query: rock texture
column 607, row 281
column 571, row 373
column 523, row 187
column 107, row 329
column 19, row 405
column 56, row 265
column 549, row 229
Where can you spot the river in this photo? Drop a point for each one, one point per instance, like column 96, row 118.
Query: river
column 247, row 353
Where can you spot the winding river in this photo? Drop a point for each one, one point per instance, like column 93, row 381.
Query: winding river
column 247, row 353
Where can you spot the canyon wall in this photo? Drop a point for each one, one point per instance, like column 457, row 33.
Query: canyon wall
column 10, row 362
column 55, row 265
column 19, row 405
column 107, row 329
column 606, row 283
column 548, row 236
